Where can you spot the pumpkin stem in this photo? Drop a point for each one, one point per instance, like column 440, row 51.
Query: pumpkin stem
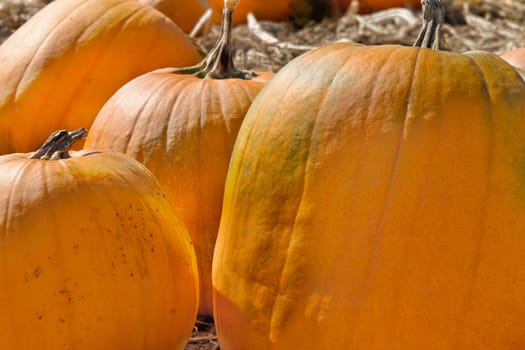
column 58, row 143
column 218, row 64
column 433, row 18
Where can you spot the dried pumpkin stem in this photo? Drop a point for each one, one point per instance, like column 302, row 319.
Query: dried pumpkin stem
column 218, row 64
column 433, row 18
column 58, row 144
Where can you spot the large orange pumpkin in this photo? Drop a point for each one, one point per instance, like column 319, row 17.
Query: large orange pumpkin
column 182, row 127
column 376, row 200
column 92, row 254
column 59, row 68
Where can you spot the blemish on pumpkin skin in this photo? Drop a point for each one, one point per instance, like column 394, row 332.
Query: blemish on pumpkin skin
column 37, row 272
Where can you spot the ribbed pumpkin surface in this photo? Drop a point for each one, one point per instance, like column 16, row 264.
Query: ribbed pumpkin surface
column 376, row 200
column 59, row 68
column 183, row 129
column 92, row 256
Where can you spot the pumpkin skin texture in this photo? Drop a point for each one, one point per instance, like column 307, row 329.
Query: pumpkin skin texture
column 185, row 13
column 375, row 200
column 183, row 129
column 92, row 256
column 515, row 57
column 182, row 123
column 60, row 67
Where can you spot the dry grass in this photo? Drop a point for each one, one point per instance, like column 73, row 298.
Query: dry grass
column 491, row 25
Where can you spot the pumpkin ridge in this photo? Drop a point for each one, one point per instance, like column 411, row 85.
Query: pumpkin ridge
column 96, row 60
column 485, row 86
column 37, row 49
column 276, row 318
column 383, row 212
column 108, row 13
column 171, row 120
column 140, row 115
column 44, row 42
column 12, row 190
column 381, row 222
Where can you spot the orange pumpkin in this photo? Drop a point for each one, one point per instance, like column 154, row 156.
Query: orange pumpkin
column 376, row 200
column 374, row 5
column 92, row 253
column 182, row 127
column 60, row 67
column 516, row 57
column 262, row 9
column 281, row 10
column 185, row 13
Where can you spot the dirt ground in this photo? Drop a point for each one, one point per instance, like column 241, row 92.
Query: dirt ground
column 491, row 25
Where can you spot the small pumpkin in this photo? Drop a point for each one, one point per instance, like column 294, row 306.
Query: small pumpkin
column 60, row 67
column 516, row 57
column 182, row 123
column 375, row 199
column 92, row 253
column 185, row 13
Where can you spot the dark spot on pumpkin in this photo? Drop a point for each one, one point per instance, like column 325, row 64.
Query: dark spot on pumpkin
column 37, row 271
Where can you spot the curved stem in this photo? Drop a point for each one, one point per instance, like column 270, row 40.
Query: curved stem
column 218, row 64
column 433, row 18
column 58, row 143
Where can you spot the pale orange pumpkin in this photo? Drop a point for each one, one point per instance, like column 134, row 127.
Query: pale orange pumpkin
column 516, row 57
column 182, row 123
column 92, row 253
column 185, row 13
column 376, row 200
column 60, row 67
column 281, row 10
column 262, row 9
column 374, row 5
